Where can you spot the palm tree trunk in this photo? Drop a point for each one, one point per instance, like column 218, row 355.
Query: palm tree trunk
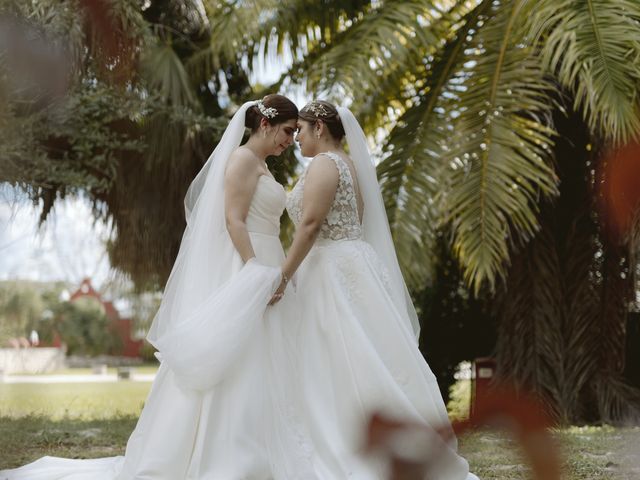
column 562, row 311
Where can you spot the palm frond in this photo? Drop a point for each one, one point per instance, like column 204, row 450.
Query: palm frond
column 593, row 47
column 530, row 307
column 246, row 30
column 500, row 154
column 378, row 47
column 129, row 18
column 618, row 402
column 166, row 74
column 411, row 174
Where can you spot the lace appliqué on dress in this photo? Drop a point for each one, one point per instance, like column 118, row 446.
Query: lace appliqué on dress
column 304, row 443
column 342, row 222
column 347, row 273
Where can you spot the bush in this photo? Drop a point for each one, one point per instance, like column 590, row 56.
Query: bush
column 85, row 328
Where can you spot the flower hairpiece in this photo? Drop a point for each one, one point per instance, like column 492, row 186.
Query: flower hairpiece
column 268, row 112
column 317, row 109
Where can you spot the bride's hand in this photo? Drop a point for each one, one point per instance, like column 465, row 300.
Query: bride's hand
column 277, row 296
column 279, row 293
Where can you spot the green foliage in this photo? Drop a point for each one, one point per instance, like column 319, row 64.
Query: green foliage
column 78, row 144
column 500, row 152
column 20, row 308
column 592, row 47
column 82, row 324
column 459, row 400
column 168, row 76
column 412, row 174
column 84, row 328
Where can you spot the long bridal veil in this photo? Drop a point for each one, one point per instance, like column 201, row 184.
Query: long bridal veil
column 374, row 222
column 204, row 316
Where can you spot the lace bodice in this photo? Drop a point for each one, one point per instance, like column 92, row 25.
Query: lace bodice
column 342, row 222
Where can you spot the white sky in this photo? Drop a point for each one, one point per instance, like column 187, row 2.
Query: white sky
column 70, row 246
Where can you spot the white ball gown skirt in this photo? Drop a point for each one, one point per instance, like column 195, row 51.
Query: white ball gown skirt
column 357, row 356
column 245, row 426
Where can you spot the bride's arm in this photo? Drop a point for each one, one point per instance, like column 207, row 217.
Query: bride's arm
column 240, row 181
column 320, row 185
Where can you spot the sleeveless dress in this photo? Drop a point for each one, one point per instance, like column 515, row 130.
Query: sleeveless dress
column 244, row 428
column 356, row 354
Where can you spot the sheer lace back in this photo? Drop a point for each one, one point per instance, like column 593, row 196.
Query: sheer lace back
column 342, row 222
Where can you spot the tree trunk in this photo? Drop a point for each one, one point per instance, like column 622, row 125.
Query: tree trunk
column 562, row 311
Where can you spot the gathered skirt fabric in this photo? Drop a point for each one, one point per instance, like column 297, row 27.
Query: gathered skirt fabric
column 357, row 356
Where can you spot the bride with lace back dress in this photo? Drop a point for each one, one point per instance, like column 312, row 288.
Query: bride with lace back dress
column 219, row 407
column 358, row 333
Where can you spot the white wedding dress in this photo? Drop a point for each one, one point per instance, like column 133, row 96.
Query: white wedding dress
column 357, row 354
column 245, row 427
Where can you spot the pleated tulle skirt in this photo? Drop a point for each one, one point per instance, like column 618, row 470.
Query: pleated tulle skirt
column 357, row 355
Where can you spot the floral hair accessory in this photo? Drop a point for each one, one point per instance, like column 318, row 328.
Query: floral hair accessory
column 317, row 109
column 268, row 112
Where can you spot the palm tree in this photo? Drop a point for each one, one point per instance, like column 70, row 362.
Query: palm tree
column 472, row 95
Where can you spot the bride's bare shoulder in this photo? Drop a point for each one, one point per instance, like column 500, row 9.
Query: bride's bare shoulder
column 242, row 161
column 322, row 168
column 242, row 154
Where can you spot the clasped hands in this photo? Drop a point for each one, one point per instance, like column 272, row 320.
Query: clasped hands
column 279, row 293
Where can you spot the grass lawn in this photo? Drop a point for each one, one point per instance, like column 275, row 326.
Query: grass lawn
column 74, row 420
column 140, row 369
column 73, row 400
column 25, row 439
column 588, row 453
column 95, row 420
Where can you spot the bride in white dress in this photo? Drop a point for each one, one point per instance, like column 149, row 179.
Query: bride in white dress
column 219, row 407
column 358, row 332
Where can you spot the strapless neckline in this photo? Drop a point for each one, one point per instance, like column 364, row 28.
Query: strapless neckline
column 272, row 179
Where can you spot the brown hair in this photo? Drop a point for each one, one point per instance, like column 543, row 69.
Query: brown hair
column 325, row 111
column 284, row 108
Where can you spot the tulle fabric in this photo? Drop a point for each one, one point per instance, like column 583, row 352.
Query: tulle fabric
column 54, row 468
column 356, row 357
column 375, row 224
column 203, row 349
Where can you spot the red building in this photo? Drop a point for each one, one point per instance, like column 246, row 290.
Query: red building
column 124, row 326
